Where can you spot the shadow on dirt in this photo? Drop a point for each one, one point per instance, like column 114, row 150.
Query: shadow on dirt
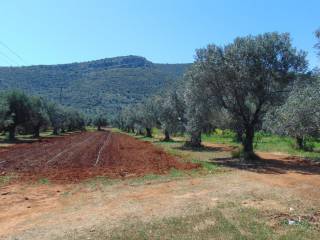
column 272, row 165
column 206, row 148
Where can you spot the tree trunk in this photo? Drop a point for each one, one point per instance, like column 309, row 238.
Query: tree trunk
column 239, row 137
column 12, row 133
column 99, row 128
column 166, row 136
column 55, row 131
column 36, row 132
column 248, row 142
column 195, row 140
column 149, row 134
column 299, row 141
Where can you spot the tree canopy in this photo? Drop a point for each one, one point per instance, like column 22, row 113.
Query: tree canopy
column 248, row 76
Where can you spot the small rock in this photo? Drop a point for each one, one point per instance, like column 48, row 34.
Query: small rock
column 291, row 222
column 26, row 198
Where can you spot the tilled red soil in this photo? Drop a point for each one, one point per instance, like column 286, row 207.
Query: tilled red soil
column 84, row 155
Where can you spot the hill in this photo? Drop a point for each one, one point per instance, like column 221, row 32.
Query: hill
column 96, row 86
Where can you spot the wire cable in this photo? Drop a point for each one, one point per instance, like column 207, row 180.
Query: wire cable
column 13, row 52
column 9, row 58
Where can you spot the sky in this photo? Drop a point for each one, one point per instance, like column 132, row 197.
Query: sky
column 164, row 31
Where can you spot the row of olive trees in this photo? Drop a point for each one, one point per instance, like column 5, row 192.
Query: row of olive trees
column 166, row 111
column 238, row 86
column 299, row 116
column 33, row 113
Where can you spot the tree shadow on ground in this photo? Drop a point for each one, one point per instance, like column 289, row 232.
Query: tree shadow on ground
column 272, row 165
column 19, row 141
column 203, row 148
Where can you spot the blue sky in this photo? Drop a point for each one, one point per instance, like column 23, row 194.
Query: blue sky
column 164, row 31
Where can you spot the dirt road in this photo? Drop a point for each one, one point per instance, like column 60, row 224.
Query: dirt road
column 68, row 210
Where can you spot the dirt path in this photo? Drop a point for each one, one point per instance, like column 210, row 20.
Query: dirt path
column 48, row 211
column 55, row 211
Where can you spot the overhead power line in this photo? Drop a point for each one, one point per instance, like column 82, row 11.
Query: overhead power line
column 9, row 59
column 13, row 52
column 6, row 60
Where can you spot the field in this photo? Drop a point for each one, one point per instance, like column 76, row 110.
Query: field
column 84, row 155
column 109, row 185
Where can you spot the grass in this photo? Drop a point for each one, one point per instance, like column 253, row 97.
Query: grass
column 268, row 143
column 225, row 221
column 100, row 181
column 44, row 181
column 6, row 179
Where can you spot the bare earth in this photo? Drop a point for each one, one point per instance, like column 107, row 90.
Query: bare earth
column 52, row 211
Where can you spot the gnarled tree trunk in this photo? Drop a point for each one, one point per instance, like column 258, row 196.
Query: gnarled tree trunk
column 166, row 136
column 248, row 142
column 12, row 132
column 55, row 131
column 195, row 140
column 149, row 133
column 36, row 132
column 300, row 143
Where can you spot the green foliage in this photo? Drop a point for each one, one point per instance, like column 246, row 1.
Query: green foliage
column 39, row 116
column 245, row 78
column 100, row 121
column 32, row 114
column 93, row 87
column 299, row 116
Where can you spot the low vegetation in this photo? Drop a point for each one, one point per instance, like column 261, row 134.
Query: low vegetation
column 226, row 221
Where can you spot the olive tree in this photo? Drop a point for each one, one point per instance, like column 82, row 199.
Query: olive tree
column 247, row 77
column 38, row 115
column 129, row 118
column 299, row 116
column 147, row 115
column 171, row 111
column 100, row 121
column 18, row 111
column 73, row 120
column 200, row 106
column 4, row 108
column 56, row 116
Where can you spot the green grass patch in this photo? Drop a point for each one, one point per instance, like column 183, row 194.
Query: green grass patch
column 267, row 143
column 6, row 179
column 209, row 167
column 44, row 181
column 100, row 181
column 226, row 221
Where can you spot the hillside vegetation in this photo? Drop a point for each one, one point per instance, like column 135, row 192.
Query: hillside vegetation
column 96, row 86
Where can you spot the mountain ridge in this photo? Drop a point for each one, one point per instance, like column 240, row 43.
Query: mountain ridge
column 98, row 86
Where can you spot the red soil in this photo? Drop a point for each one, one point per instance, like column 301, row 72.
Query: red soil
column 84, row 155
